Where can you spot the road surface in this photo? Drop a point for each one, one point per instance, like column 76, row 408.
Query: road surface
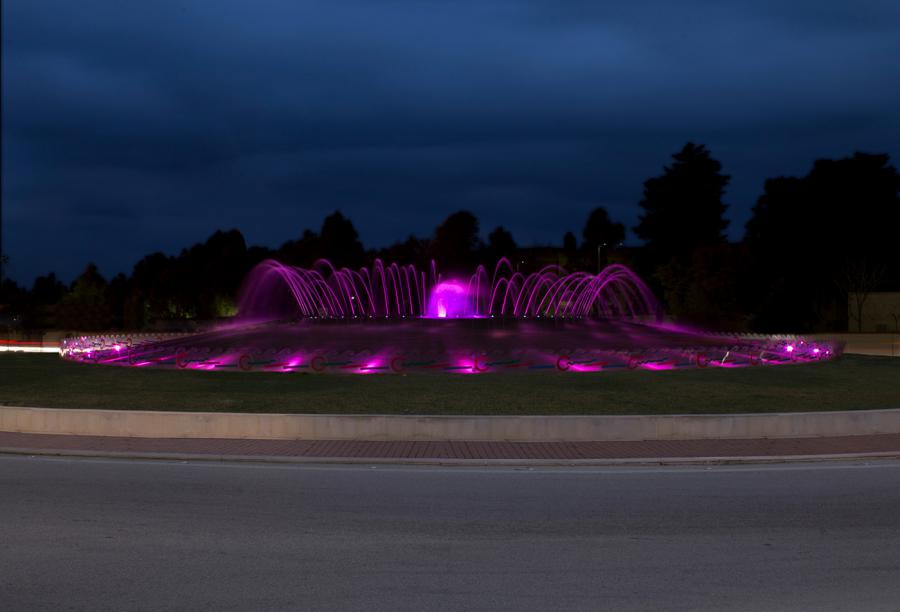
column 98, row 534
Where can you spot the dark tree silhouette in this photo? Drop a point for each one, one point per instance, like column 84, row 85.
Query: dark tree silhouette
column 805, row 232
column 500, row 244
column 15, row 306
column 683, row 212
column 86, row 305
column 570, row 250
column 200, row 283
column 706, row 288
column 783, row 298
column 117, row 295
column 152, row 281
column 852, row 202
column 301, row 252
column 456, row 243
column 208, row 275
column 683, row 208
column 47, row 289
column 601, row 234
column 340, row 243
column 410, row 251
column 789, row 274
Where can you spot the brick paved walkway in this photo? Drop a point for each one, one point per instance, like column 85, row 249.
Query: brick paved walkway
column 563, row 451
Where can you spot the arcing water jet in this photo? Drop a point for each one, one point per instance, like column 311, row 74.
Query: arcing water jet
column 393, row 318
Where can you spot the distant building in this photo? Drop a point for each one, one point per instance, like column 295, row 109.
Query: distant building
column 880, row 312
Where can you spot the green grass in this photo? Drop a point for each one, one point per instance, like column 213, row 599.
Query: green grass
column 851, row 383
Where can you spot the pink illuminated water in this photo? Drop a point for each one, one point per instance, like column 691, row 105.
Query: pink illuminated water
column 448, row 299
column 408, row 320
column 274, row 291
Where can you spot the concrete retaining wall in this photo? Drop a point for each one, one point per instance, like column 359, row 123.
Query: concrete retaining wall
column 149, row 424
column 883, row 345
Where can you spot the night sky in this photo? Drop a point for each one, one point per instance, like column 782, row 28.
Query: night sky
column 131, row 127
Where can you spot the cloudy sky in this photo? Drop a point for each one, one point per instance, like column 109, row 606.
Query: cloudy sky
column 136, row 126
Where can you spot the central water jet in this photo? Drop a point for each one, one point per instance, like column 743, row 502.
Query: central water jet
column 448, row 300
column 393, row 318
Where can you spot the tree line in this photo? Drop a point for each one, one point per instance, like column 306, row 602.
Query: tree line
column 811, row 242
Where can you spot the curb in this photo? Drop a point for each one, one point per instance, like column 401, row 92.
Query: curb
column 439, row 428
column 638, row 462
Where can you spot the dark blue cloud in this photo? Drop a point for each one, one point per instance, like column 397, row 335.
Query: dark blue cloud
column 137, row 126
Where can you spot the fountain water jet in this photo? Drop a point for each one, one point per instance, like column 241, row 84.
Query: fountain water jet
column 273, row 290
column 393, row 318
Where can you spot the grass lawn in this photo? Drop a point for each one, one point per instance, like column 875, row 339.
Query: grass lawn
column 851, row 383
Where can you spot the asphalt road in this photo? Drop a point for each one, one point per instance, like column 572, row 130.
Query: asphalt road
column 129, row 535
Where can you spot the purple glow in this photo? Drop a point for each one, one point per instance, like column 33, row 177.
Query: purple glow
column 659, row 366
column 452, row 345
column 302, row 320
column 390, row 291
column 448, row 299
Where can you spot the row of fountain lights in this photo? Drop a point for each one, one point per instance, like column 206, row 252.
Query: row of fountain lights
column 793, row 350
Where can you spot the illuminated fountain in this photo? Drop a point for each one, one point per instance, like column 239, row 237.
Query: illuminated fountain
column 402, row 292
column 392, row 318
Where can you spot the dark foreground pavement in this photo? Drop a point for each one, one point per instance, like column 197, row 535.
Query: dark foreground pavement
column 106, row 534
column 361, row 450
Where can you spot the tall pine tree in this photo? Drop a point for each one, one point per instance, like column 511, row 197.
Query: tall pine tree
column 683, row 208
